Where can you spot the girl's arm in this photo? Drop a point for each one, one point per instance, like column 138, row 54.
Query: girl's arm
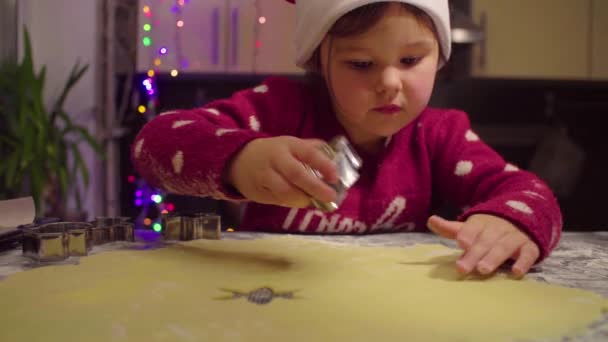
column 470, row 174
column 187, row 151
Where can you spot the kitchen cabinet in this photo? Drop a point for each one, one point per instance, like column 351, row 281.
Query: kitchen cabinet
column 277, row 37
column 548, row 39
column 599, row 40
column 218, row 36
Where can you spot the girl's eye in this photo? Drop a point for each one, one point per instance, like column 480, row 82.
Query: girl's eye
column 360, row 65
column 409, row 61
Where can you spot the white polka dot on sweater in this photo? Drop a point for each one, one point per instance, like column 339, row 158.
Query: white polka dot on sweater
column 511, row 168
column 538, row 184
column 213, row 111
column 223, row 131
column 261, row 89
column 138, row 146
column 387, row 141
column 181, row 123
column 168, row 113
column 178, row 162
column 463, row 168
column 554, row 235
column 254, row 123
column 521, row 206
column 471, row 136
column 533, row 194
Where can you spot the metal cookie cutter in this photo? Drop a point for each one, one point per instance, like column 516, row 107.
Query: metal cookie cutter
column 57, row 241
column 347, row 162
column 111, row 229
column 191, row 227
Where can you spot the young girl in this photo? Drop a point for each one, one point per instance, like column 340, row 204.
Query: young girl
column 373, row 66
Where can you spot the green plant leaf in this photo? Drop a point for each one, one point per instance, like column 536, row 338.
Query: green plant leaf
column 84, row 133
column 12, row 164
column 79, row 164
column 38, row 179
column 75, row 75
column 27, row 64
column 62, row 174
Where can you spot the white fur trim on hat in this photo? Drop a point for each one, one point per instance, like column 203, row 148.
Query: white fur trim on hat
column 316, row 17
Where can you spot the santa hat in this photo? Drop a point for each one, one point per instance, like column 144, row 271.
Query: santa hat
column 316, row 17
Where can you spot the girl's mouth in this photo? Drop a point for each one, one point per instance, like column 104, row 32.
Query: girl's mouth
column 388, row 109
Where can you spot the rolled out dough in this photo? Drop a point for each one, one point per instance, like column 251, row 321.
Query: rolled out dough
column 284, row 289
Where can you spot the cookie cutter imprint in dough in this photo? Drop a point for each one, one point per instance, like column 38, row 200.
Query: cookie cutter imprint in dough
column 260, row 296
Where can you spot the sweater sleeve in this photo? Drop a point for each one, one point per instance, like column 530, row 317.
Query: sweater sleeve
column 472, row 175
column 186, row 151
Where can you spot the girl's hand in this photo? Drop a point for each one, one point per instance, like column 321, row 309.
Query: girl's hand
column 488, row 241
column 271, row 171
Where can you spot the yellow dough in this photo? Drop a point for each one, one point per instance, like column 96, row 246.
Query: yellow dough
column 202, row 291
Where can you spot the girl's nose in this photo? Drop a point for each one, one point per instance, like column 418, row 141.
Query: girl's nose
column 389, row 83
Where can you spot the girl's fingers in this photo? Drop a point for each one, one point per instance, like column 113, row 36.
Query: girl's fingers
column 469, row 233
column 528, row 254
column 297, row 174
column 503, row 249
column 311, row 153
column 275, row 189
column 486, row 239
column 443, row 227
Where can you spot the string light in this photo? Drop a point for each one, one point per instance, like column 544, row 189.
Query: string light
column 256, row 33
column 147, row 197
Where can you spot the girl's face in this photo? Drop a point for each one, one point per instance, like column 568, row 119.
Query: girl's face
column 382, row 79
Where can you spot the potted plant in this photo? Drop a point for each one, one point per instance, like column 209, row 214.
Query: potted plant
column 39, row 147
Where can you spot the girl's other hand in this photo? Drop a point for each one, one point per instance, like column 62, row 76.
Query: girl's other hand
column 488, row 241
column 272, row 171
